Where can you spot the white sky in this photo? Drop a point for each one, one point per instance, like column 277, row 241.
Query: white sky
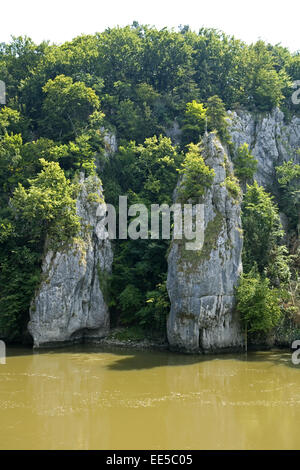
column 60, row 20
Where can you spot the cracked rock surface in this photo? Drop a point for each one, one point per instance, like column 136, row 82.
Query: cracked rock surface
column 271, row 140
column 201, row 283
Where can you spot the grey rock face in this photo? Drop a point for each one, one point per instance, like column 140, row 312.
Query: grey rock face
column 174, row 133
column 271, row 140
column 70, row 304
column 110, row 142
column 201, row 283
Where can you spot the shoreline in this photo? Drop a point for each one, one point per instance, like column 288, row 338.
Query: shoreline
column 126, row 339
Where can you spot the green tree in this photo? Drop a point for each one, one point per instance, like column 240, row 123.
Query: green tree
column 196, row 175
column 48, row 207
column 67, row 107
column 265, row 85
column 217, row 118
column 262, row 233
column 8, row 119
column 10, row 163
column 257, row 303
column 154, row 312
column 149, row 171
column 193, row 122
column 288, row 176
column 245, row 164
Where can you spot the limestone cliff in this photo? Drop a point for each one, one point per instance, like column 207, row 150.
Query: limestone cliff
column 271, row 139
column 201, row 283
column 70, row 303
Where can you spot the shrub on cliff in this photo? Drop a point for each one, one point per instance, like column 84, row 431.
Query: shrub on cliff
column 257, row 303
column 244, row 164
column 193, row 122
column 197, row 176
column 262, row 233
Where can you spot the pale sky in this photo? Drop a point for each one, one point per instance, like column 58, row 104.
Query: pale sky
column 61, row 20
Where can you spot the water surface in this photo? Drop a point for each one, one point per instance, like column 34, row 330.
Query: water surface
column 84, row 398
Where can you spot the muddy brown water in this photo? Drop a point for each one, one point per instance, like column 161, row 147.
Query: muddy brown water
column 85, row 398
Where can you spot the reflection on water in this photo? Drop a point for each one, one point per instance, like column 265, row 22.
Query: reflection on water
column 84, row 398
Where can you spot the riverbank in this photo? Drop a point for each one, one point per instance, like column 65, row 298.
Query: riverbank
column 133, row 338
column 136, row 338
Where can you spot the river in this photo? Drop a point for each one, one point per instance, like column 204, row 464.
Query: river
column 86, row 398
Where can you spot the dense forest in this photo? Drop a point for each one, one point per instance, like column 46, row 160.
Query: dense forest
column 140, row 84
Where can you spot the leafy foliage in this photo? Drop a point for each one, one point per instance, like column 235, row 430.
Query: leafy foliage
column 48, row 206
column 263, row 230
column 193, row 123
column 147, row 174
column 217, row 118
column 257, row 303
column 288, row 176
column 197, row 175
column 66, row 107
column 245, row 164
column 232, row 185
